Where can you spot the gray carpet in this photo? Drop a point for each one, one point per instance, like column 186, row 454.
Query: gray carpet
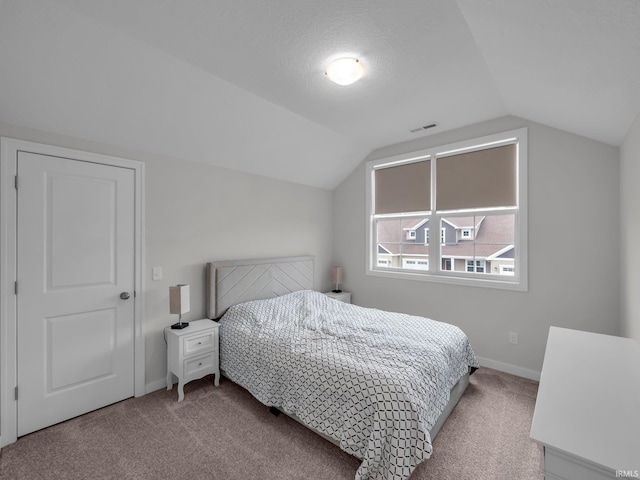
column 223, row 433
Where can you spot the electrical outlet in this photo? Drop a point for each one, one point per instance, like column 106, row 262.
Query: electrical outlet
column 156, row 273
column 513, row 338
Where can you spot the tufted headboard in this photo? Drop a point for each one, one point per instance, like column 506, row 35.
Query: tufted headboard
column 230, row 282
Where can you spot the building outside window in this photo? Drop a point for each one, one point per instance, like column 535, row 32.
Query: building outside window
column 475, row 193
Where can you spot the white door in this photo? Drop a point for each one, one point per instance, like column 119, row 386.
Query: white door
column 75, row 265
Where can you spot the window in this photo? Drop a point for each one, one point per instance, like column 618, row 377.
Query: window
column 478, row 266
column 474, row 191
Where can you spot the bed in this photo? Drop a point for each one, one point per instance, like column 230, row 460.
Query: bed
column 377, row 384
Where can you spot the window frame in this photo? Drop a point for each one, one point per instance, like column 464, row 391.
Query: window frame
column 518, row 281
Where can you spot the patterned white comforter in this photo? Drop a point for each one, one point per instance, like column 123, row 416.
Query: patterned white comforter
column 374, row 381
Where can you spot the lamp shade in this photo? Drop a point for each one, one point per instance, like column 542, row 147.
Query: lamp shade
column 336, row 274
column 179, row 299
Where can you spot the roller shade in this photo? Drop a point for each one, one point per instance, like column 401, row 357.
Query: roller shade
column 403, row 188
column 479, row 179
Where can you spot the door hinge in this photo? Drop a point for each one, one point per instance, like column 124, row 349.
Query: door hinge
column 16, row 395
column 15, row 287
column 16, row 182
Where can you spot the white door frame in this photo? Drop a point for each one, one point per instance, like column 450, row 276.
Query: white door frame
column 8, row 271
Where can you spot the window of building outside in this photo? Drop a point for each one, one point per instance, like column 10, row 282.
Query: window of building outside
column 473, row 191
column 478, row 266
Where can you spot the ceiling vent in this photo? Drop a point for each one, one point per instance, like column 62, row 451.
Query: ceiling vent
column 426, row 127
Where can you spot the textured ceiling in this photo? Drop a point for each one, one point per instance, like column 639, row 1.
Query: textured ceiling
column 240, row 83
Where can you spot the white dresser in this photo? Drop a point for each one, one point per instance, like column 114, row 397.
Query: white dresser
column 192, row 353
column 587, row 414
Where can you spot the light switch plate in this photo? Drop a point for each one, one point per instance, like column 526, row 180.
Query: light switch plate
column 156, row 273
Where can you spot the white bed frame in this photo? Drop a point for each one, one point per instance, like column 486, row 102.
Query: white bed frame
column 230, row 282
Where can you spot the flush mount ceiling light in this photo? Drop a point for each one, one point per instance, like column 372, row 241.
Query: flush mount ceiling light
column 345, row 71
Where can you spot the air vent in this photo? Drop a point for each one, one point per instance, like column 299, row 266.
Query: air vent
column 426, row 127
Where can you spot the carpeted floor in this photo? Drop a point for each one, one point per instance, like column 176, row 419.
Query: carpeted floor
column 223, row 433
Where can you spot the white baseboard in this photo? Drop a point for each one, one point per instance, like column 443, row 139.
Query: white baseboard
column 157, row 385
column 508, row 368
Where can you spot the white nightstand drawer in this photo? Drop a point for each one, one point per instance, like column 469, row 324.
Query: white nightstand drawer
column 198, row 365
column 198, row 343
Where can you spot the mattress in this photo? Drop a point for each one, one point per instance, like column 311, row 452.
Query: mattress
column 376, row 382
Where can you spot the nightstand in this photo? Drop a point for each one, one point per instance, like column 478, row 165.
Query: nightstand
column 341, row 296
column 192, row 353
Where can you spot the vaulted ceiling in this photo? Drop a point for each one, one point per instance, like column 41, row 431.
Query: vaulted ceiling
column 240, row 83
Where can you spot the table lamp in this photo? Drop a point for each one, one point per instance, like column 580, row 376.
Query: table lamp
column 336, row 277
column 179, row 303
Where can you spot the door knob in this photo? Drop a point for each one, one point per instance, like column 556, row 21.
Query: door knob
column 125, row 295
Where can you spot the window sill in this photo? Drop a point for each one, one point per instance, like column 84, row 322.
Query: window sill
column 493, row 282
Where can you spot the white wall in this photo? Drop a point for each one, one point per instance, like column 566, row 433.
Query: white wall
column 196, row 213
column 630, row 225
column 573, row 250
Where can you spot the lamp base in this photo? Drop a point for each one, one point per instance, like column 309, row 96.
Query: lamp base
column 180, row 325
column 336, row 291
